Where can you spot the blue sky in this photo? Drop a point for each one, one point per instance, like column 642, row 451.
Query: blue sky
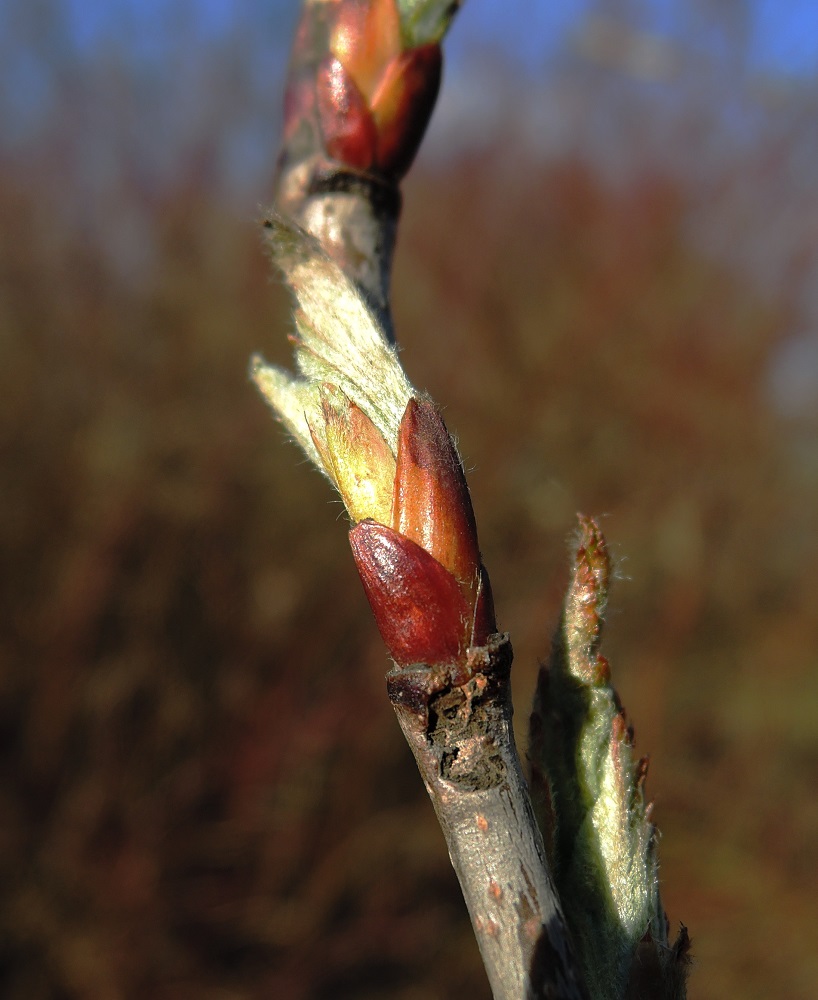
column 782, row 35
column 776, row 38
column 785, row 36
column 154, row 70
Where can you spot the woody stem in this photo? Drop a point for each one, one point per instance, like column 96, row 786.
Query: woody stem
column 461, row 737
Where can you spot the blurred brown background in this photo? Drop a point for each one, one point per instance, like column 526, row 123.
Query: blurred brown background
column 607, row 274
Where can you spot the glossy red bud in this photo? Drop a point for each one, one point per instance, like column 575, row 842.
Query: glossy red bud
column 418, row 605
column 366, row 36
column 346, row 121
column 402, row 106
column 431, row 503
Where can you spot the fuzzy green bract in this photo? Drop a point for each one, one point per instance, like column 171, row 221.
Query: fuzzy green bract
column 588, row 792
column 339, row 343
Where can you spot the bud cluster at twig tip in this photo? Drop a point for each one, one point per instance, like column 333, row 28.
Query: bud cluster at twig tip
column 373, row 93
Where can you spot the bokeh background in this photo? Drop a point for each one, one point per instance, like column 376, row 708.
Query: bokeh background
column 608, row 274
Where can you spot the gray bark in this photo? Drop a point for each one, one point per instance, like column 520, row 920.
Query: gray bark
column 459, row 730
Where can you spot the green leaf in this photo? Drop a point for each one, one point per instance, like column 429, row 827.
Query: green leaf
column 425, row 21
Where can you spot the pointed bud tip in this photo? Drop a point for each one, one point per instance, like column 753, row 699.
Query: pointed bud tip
column 592, row 551
column 431, row 502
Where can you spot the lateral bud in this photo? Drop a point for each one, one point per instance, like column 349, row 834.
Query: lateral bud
column 417, row 603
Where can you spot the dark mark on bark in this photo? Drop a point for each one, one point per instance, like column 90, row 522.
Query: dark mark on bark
column 462, row 708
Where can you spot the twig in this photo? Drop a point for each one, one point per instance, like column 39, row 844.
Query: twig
column 461, row 737
column 415, row 542
column 362, row 85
